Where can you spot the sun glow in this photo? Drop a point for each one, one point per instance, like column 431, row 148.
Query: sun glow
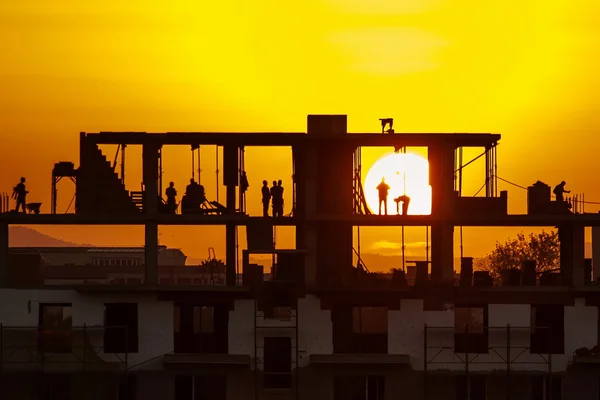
column 400, row 171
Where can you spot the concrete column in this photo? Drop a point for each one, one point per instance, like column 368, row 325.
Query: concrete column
column 150, row 154
column 306, row 205
column 330, row 189
column 151, row 253
column 596, row 253
column 441, row 179
column 572, row 254
column 442, row 253
column 231, row 176
column 230, row 254
column 3, row 254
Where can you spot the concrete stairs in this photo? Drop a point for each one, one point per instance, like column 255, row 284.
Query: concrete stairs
column 99, row 189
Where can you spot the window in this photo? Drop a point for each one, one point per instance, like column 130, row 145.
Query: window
column 369, row 320
column 277, row 363
column 360, row 329
column 121, row 328
column 547, row 329
column 359, row 388
column 475, row 386
column 200, row 329
column 55, row 325
column 470, row 329
column 545, row 388
column 200, row 387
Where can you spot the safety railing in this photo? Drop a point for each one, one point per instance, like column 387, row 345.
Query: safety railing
column 85, row 348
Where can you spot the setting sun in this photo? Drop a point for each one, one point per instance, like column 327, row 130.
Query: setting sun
column 400, row 171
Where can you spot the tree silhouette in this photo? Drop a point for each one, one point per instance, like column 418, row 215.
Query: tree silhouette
column 544, row 248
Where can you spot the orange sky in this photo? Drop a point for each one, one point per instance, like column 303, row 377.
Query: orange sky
column 520, row 68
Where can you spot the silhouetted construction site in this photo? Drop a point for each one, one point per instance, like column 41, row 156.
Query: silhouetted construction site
column 321, row 326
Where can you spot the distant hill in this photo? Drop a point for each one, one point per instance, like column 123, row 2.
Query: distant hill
column 22, row 236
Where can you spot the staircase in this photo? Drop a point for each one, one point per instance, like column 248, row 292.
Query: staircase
column 138, row 200
column 99, row 189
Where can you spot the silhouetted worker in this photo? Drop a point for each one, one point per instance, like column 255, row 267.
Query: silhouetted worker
column 559, row 190
column 195, row 194
column 383, row 189
column 244, row 185
column 171, row 193
column 20, row 195
column 280, row 198
column 274, row 197
column 405, row 200
column 266, row 198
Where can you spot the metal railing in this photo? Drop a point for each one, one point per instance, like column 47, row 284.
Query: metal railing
column 85, row 348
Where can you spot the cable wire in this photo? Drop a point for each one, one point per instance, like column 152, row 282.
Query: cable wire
column 524, row 188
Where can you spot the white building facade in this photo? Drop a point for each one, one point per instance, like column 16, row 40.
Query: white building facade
column 180, row 345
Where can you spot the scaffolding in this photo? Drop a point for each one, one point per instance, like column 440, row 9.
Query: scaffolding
column 275, row 322
column 44, row 352
column 505, row 351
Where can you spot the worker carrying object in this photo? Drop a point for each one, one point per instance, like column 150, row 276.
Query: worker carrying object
column 559, row 190
column 20, row 195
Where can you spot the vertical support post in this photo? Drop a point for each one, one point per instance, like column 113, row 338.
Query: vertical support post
column 572, row 254
column 231, row 177
column 123, row 147
column 230, row 254
column 193, row 162
column 150, row 173
column 1, row 355
column 297, row 333
column 441, row 173
column 53, row 194
column 84, row 347
column 126, row 361
column 467, row 378
column 4, row 254
column 217, row 170
column 549, row 380
column 596, row 253
column 508, row 362
column 199, row 167
column 151, row 253
column 160, row 172
column 425, row 362
column 150, row 176
column 495, row 169
column 487, row 172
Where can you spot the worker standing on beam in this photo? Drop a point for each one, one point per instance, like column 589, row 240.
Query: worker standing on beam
column 20, row 195
column 383, row 189
column 266, row 198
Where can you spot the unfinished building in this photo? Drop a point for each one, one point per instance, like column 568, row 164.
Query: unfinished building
column 319, row 328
